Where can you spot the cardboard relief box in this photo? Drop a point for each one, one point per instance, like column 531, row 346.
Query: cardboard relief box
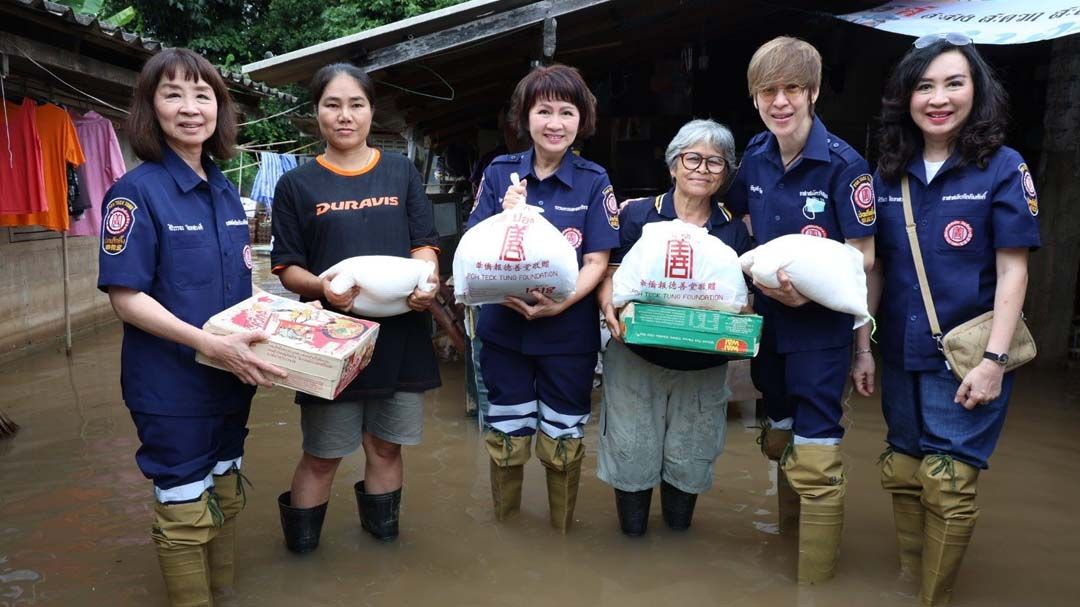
column 322, row 351
column 693, row 329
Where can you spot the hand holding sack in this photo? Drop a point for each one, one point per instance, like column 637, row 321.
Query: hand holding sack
column 825, row 271
column 385, row 282
column 679, row 264
column 514, row 253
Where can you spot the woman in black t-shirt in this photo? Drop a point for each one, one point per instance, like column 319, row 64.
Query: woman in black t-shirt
column 355, row 200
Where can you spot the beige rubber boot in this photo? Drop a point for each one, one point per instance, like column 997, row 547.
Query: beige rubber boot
column 562, row 464
column 899, row 476
column 773, row 443
column 817, row 475
column 949, row 488
column 221, row 550
column 508, row 457
column 181, row 533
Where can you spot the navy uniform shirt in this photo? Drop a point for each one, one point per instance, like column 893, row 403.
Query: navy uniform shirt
column 324, row 214
column 184, row 242
column 633, row 216
column 578, row 200
column 829, row 192
column 961, row 217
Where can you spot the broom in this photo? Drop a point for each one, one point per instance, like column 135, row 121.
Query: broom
column 8, row 428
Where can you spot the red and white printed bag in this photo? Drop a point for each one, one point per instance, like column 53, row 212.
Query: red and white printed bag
column 675, row 263
column 515, row 252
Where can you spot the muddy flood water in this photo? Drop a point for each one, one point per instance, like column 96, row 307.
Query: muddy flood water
column 75, row 513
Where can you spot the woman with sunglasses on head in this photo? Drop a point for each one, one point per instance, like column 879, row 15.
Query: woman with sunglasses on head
column 973, row 200
column 797, row 177
column 538, row 358
column 665, row 411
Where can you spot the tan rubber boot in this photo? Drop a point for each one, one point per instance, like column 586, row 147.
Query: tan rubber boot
column 508, row 457
column 773, row 443
column 899, row 476
column 562, row 464
column 817, row 475
column 181, row 533
column 949, row 490
column 222, row 549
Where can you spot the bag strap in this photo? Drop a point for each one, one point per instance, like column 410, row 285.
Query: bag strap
column 916, row 254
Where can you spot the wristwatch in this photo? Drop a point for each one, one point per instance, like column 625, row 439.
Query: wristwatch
column 1001, row 359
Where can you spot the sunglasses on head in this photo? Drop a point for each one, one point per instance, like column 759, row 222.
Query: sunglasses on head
column 953, row 38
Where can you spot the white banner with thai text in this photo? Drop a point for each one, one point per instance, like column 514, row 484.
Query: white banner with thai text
column 984, row 21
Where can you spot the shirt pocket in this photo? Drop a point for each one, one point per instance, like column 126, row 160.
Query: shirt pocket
column 961, row 234
column 194, row 260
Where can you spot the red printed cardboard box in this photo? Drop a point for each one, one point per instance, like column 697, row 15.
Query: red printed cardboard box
column 322, row 351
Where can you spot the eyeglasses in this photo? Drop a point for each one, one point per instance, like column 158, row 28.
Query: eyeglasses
column 692, row 160
column 769, row 93
column 953, row 38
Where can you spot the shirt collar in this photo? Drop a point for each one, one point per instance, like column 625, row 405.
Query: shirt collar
column 816, row 148
column 718, row 216
column 917, row 167
column 565, row 172
column 817, row 143
column 185, row 178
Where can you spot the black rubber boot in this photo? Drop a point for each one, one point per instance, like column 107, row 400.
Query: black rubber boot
column 633, row 508
column 678, row 506
column 301, row 526
column 379, row 513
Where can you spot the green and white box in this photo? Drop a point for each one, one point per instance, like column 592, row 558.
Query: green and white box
column 693, row 329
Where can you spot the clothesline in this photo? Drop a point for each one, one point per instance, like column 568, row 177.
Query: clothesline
column 257, row 163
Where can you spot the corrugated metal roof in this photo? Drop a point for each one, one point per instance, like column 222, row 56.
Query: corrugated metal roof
column 110, row 34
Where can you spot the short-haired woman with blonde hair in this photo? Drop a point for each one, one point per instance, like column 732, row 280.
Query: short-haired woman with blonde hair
column 797, row 177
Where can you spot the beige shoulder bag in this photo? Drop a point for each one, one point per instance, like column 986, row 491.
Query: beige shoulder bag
column 964, row 346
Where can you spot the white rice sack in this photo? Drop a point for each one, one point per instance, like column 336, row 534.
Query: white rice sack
column 516, row 252
column 825, row 271
column 679, row 264
column 385, row 282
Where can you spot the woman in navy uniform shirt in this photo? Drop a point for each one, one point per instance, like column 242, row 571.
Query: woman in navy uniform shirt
column 797, row 177
column 175, row 251
column 355, row 200
column 942, row 126
column 538, row 359
column 664, row 415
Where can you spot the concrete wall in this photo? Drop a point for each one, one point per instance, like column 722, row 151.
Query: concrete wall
column 32, row 288
column 1053, row 281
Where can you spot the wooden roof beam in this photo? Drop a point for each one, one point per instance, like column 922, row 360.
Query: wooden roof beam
column 475, row 31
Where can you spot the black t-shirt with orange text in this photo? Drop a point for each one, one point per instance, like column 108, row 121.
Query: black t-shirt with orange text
column 323, row 214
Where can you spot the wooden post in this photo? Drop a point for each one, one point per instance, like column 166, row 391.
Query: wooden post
column 67, row 293
column 547, row 50
column 1052, row 279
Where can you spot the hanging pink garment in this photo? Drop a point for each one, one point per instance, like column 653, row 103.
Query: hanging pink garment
column 103, row 167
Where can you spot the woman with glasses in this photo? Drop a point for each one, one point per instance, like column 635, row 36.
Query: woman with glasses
column 973, row 199
column 797, row 177
column 664, row 411
column 538, row 357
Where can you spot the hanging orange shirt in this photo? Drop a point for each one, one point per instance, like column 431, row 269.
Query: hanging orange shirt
column 23, row 188
column 59, row 147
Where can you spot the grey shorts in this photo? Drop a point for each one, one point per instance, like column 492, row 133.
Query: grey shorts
column 658, row 423
column 333, row 430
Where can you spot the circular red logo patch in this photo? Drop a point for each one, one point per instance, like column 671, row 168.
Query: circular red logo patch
column 247, row 256
column 611, row 204
column 958, row 233
column 1029, row 184
column 573, row 236
column 864, row 195
column 118, row 220
column 813, row 230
